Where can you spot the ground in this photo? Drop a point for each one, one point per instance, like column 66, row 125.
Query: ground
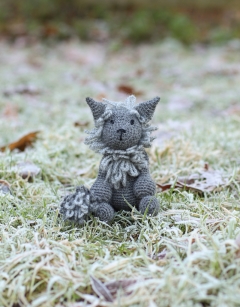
column 189, row 254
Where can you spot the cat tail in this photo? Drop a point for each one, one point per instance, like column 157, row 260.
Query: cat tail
column 76, row 207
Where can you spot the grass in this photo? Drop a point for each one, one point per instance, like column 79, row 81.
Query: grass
column 188, row 255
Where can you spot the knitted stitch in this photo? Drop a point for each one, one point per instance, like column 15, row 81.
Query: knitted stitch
column 121, row 132
column 120, row 163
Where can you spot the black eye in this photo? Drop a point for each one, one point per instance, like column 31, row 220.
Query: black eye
column 132, row 122
column 112, row 121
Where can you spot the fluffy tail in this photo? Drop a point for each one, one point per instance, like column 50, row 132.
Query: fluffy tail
column 76, row 207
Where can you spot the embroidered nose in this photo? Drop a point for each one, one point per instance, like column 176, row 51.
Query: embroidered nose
column 121, row 130
column 121, row 133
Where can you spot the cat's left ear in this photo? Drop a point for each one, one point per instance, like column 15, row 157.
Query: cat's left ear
column 147, row 108
column 97, row 108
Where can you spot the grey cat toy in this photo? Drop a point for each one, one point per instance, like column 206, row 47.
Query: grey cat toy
column 121, row 132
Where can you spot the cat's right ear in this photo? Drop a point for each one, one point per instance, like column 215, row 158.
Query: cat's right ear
column 97, row 108
column 147, row 108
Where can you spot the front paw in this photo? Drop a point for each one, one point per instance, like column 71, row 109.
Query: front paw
column 144, row 186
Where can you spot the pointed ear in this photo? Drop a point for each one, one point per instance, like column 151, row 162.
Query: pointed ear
column 97, row 108
column 147, row 108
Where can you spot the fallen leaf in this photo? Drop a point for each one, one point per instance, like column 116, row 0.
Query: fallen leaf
column 187, row 180
column 165, row 187
column 22, row 143
column 4, row 187
column 81, row 124
column 100, row 289
column 49, row 30
column 27, row 169
column 22, row 90
column 16, row 28
column 206, row 181
column 206, row 166
column 139, row 72
column 123, row 284
column 129, row 90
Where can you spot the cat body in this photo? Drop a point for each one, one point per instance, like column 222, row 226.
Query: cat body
column 121, row 133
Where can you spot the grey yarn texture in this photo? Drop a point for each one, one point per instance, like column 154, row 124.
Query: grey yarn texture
column 76, row 206
column 119, row 164
column 121, row 133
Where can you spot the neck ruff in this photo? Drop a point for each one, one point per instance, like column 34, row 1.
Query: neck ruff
column 117, row 164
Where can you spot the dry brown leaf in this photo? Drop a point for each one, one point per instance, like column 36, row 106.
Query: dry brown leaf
column 22, row 143
column 49, row 30
column 206, row 181
column 206, row 166
column 166, row 186
column 139, row 72
column 81, row 124
column 4, row 187
column 129, row 90
column 16, row 28
column 27, row 169
column 100, row 289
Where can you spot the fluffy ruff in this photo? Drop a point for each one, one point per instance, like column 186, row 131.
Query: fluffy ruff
column 120, row 163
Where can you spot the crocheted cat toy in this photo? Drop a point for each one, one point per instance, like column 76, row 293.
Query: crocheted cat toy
column 121, row 133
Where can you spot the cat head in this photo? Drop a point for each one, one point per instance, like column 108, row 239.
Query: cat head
column 121, row 125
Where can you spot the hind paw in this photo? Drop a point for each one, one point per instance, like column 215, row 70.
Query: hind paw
column 104, row 212
column 149, row 204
